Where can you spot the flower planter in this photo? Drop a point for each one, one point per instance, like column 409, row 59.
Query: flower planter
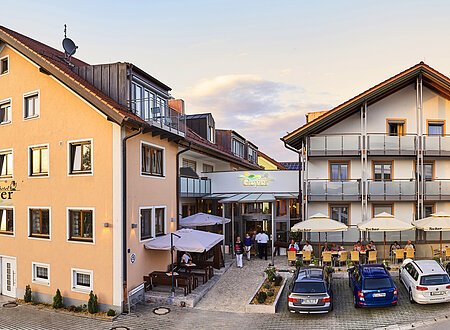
column 263, row 308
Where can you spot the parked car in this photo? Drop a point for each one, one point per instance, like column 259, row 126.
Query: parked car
column 372, row 286
column 310, row 291
column 426, row 281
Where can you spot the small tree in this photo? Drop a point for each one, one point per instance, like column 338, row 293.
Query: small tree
column 92, row 303
column 57, row 300
column 27, row 295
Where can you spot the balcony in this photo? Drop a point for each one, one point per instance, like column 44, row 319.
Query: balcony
column 334, row 145
column 386, row 145
column 325, row 190
column 436, row 145
column 396, row 190
column 437, row 190
column 191, row 187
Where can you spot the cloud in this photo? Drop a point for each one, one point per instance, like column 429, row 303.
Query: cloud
column 261, row 110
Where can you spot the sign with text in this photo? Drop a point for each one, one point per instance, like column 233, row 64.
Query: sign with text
column 7, row 190
column 255, row 180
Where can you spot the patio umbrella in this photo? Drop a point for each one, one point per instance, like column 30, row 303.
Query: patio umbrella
column 202, row 219
column 319, row 223
column 435, row 222
column 384, row 222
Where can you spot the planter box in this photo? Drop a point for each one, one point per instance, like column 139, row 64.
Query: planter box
column 265, row 309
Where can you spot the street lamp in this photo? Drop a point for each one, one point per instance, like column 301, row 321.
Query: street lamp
column 171, row 257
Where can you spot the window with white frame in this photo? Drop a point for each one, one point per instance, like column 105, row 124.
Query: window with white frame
column 252, row 155
column 152, row 222
column 39, row 222
column 190, row 163
column 41, row 273
column 31, row 105
column 80, row 157
column 146, row 224
column 237, row 148
column 208, row 168
column 152, row 162
column 82, row 280
column 39, row 161
column 160, row 221
column 4, row 65
column 6, row 164
column 81, row 225
column 7, row 221
column 5, row 112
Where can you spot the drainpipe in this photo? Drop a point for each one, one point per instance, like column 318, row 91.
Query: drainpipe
column 124, row 210
column 178, row 182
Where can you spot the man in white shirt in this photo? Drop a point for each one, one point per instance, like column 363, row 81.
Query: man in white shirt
column 307, row 247
column 262, row 240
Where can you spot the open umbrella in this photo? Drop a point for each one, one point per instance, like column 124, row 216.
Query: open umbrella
column 384, row 222
column 435, row 222
column 202, row 219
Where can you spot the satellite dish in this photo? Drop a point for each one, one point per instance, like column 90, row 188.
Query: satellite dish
column 69, row 46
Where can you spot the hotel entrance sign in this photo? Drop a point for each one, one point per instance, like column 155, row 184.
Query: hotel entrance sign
column 7, row 189
column 255, row 180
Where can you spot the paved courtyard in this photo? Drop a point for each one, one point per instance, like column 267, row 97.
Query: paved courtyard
column 222, row 307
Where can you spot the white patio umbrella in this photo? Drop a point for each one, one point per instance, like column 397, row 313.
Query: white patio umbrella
column 202, row 219
column 439, row 221
column 384, row 222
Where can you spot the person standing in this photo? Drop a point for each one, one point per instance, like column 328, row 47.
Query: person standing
column 258, row 244
column 238, row 250
column 247, row 245
column 262, row 243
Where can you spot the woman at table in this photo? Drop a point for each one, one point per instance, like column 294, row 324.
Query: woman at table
column 239, row 251
column 409, row 245
column 248, row 242
column 394, row 246
column 293, row 246
column 186, row 258
column 358, row 247
column 326, row 248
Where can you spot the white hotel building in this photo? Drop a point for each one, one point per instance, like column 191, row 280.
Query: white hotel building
column 384, row 150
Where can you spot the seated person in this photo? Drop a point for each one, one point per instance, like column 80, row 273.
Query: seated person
column 394, row 246
column 307, row 247
column 358, row 246
column 326, row 248
column 371, row 246
column 409, row 245
column 186, row 258
column 293, row 246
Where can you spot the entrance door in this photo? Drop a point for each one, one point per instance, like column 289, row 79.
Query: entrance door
column 8, row 277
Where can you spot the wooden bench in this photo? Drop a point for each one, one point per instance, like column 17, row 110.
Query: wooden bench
column 186, row 281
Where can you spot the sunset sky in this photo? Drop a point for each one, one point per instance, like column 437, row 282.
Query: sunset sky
column 257, row 66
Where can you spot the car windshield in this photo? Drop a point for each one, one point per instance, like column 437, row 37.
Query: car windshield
column 435, row 279
column 309, row 287
column 377, row 283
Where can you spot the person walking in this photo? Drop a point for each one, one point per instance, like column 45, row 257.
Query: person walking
column 262, row 245
column 247, row 245
column 238, row 250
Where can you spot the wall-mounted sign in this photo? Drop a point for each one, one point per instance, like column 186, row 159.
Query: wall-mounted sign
column 7, row 189
column 256, row 180
column 133, row 258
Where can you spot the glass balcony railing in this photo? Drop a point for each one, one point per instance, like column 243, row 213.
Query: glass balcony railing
column 436, row 145
column 386, row 145
column 191, row 187
column 325, row 190
column 392, row 190
column 437, row 190
column 334, row 145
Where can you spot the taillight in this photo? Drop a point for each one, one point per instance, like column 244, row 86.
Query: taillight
column 421, row 288
column 292, row 300
column 360, row 294
column 447, row 287
column 395, row 292
column 326, row 299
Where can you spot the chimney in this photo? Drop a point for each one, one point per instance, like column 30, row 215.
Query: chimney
column 177, row 105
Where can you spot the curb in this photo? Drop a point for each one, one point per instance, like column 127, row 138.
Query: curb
column 415, row 325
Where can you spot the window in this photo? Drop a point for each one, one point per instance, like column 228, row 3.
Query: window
column 396, row 127
column 81, row 225
column 208, row 168
column 152, row 160
column 41, row 273
column 340, row 213
column 237, row 148
column 281, row 207
column 252, row 155
column 211, row 134
column 160, row 109
column 190, row 163
column 339, row 171
column 80, row 157
column 152, row 222
column 382, row 171
column 436, row 128
column 428, row 210
column 6, row 221
column 146, row 224
column 149, row 102
column 378, row 208
column 160, row 221
column 4, row 65
column 82, row 280
column 39, row 223
column 31, row 105
column 39, row 161
column 136, row 102
column 6, row 164
column 5, row 112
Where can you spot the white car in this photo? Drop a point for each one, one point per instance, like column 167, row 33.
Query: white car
column 427, row 281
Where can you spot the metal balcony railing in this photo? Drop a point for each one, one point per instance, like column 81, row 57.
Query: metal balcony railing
column 387, row 145
column 326, row 190
column 436, row 145
column 191, row 187
column 437, row 190
column 334, row 145
column 394, row 190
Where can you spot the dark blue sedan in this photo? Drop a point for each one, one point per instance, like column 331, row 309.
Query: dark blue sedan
column 372, row 286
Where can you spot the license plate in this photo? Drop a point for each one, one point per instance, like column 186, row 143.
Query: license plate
column 437, row 293
column 309, row 301
column 377, row 295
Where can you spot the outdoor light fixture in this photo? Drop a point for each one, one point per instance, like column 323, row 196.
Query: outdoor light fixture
column 106, row 224
column 134, row 225
column 172, row 219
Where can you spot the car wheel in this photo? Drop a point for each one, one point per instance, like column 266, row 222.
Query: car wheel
column 411, row 298
column 355, row 303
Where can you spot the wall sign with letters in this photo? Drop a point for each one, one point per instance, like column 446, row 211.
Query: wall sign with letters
column 256, row 180
column 7, row 189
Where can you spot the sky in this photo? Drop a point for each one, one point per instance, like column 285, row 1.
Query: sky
column 258, row 66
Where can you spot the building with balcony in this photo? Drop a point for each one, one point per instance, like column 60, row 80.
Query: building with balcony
column 384, row 150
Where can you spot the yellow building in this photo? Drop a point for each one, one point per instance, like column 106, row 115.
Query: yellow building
column 69, row 217
column 268, row 163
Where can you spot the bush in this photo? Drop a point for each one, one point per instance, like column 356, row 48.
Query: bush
column 79, row 309
column 72, row 308
column 57, row 300
column 278, row 280
column 261, row 297
column 298, row 263
column 92, row 303
column 27, row 295
column 271, row 272
column 111, row 312
column 270, row 293
column 267, row 286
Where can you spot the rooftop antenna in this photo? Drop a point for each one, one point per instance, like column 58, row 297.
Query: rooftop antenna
column 69, row 46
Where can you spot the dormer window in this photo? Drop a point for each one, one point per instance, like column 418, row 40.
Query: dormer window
column 211, row 134
column 4, row 65
column 252, row 155
column 237, row 148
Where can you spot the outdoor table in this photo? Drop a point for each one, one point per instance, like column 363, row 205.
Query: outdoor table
column 208, row 271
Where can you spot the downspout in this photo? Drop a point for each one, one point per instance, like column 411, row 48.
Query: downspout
column 124, row 210
column 178, row 182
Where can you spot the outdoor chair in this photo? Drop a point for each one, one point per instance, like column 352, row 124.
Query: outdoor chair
column 410, row 253
column 326, row 257
column 292, row 257
column 306, row 256
column 343, row 256
column 372, row 257
column 447, row 253
column 354, row 256
column 399, row 254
